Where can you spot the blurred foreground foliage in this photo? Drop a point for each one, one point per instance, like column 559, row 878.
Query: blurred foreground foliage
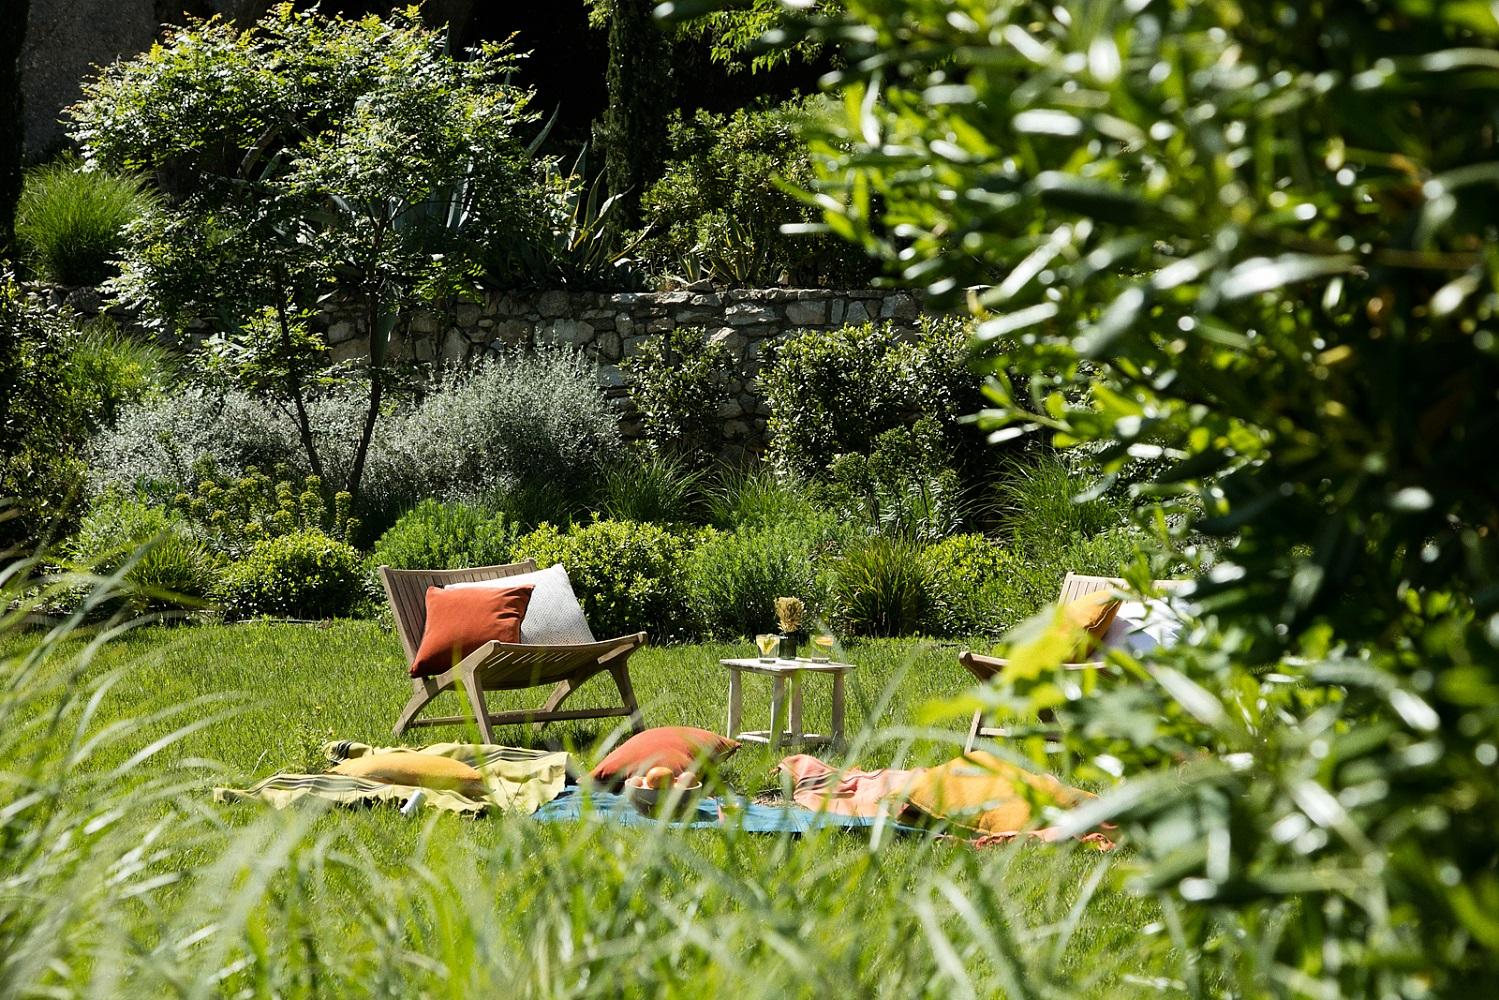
column 1249, row 247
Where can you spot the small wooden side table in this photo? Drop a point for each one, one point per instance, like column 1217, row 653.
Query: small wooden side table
column 781, row 672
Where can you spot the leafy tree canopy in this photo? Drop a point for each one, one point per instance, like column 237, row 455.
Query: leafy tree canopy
column 306, row 157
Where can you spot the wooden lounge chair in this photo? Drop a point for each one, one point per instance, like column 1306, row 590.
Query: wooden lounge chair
column 504, row 666
column 984, row 668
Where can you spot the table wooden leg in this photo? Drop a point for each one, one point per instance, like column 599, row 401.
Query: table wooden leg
column 837, row 728
column 736, row 705
column 796, row 709
column 777, row 710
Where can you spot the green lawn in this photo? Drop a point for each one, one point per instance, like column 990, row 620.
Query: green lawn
column 371, row 902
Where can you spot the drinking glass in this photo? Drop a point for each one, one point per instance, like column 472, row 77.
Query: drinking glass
column 769, row 645
column 824, row 644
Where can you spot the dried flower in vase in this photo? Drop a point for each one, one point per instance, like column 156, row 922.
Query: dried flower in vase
column 791, row 612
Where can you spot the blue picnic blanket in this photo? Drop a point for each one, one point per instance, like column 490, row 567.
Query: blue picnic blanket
column 575, row 804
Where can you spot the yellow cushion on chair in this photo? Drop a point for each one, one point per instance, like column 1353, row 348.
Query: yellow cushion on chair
column 1091, row 614
column 422, row 769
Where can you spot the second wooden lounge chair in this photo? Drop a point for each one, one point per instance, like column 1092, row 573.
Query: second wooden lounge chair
column 983, row 668
column 504, row 666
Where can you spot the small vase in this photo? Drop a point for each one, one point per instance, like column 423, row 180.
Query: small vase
column 790, row 646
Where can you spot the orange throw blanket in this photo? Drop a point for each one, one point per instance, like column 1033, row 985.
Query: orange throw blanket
column 821, row 788
column 981, row 794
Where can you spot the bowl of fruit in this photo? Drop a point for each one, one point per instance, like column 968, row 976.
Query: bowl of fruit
column 659, row 792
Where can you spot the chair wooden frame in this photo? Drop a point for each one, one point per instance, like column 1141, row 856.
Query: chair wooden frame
column 504, row 666
column 984, row 668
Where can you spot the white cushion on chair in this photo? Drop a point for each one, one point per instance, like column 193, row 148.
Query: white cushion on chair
column 554, row 617
column 1141, row 627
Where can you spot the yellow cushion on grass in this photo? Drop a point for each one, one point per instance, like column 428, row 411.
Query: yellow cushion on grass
column 423, row 769
column 981, row 792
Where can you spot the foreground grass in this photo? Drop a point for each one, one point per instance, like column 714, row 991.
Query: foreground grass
column 170, row 893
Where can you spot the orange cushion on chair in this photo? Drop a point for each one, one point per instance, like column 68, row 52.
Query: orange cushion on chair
column 681, row 748
column 459, row 621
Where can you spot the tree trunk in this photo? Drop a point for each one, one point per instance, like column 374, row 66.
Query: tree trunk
column 14, row 15
column 378, row 340
column 294, row 389
column 633, row 132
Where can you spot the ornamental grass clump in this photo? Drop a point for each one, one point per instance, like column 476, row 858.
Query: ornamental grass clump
column 72, row 223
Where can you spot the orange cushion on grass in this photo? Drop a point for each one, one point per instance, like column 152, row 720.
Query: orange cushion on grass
column 681, row 748
column 459, row 621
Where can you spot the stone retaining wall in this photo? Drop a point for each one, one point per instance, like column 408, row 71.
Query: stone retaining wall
column 611, row 326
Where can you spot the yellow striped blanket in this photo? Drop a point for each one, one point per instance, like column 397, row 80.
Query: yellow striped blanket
column 517, row 780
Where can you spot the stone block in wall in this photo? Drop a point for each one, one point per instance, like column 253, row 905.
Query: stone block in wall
column 349, row 350
column 745, row 313
column 609, row 346
column 513, row 333
column 856, row 312
column 466, row 314
column 552, row 305
column 807, row 312
column 900, row 306
column 624, row 324
column 423, row 321
column 573, row 332
column 454, row 345
column 734, row 340
column 85, row 300
column 342, row 331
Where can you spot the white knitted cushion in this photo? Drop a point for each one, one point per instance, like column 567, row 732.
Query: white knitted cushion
column 554, row 616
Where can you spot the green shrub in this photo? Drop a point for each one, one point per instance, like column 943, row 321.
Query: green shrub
column 962, row 575
column 759, row 499
column 234, row 514
column 679, row 381
column 733, row 578
column 649, row 487
column 159, row 444
column 118, row 369
column 436, row 535
column 510, row 420
column 903, row 488
column 880, row 589
column 304, row 574
column 168, row 567
column 45, row 418
column 1039, row 507
column 70, row 223
column 835, row 392
column 627, row 575
column 531, row 503
column 717, row 210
